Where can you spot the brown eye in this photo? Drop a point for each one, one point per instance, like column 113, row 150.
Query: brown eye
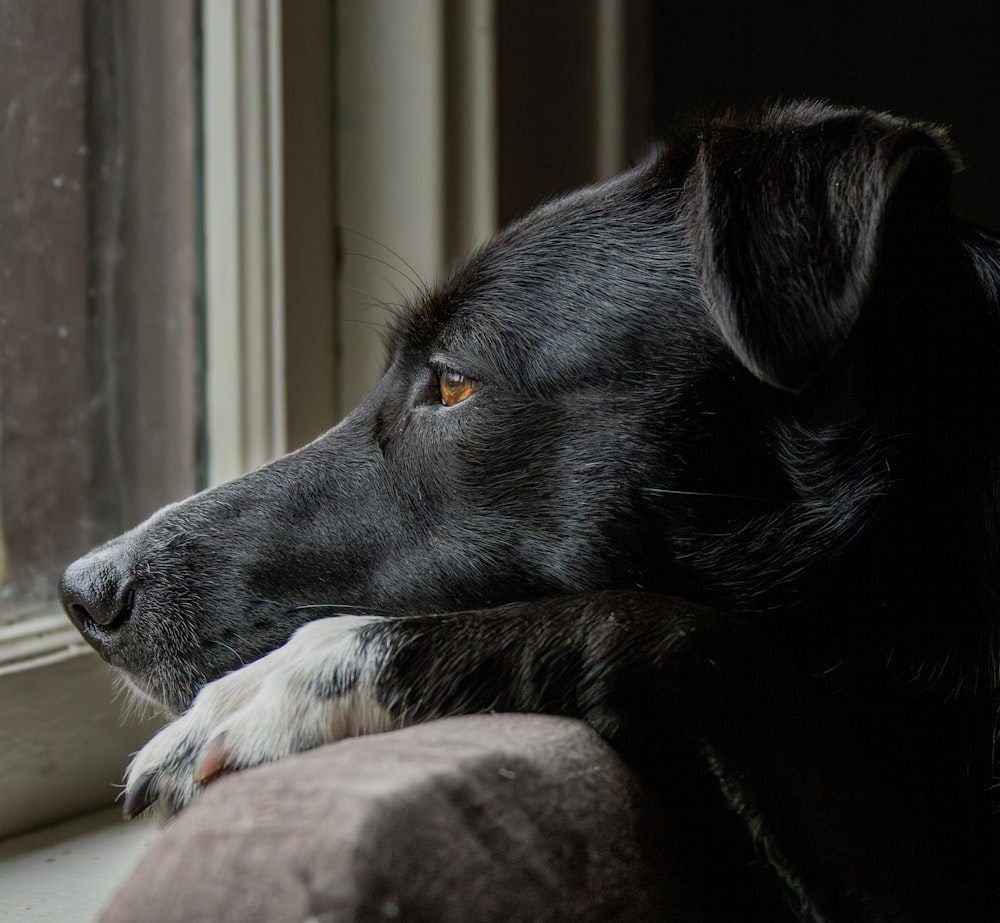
column 455, row 387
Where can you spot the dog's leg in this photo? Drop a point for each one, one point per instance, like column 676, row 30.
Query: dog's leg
column 646, row 672
column 352, row 675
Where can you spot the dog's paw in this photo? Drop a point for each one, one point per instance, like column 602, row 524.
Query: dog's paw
column 315, row 689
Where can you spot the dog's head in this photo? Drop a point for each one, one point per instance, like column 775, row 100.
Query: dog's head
column 691, row 379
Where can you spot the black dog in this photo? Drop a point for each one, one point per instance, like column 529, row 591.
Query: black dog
column 760, row 371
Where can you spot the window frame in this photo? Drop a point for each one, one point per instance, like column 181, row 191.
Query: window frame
column 73, row 199
column 66, row 731
column 269, row 280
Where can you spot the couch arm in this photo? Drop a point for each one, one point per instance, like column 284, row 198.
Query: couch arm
column 486, row 818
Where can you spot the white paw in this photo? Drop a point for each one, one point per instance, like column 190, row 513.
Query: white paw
column 315, row 689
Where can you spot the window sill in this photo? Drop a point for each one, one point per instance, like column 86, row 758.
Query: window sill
column 66, row 745
column 69, row 872
column 38, row 641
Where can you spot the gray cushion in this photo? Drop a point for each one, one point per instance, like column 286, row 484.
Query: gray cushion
column 485, row 818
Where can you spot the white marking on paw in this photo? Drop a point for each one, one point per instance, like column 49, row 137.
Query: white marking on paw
column 315, row 689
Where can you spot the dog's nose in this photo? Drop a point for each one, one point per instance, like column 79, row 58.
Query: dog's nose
column 96, row 596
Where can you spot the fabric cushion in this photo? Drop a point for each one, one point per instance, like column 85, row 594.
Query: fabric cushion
column 485, row 818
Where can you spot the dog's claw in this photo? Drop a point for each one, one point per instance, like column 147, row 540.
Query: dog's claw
column 140, row 796
column 213, row 761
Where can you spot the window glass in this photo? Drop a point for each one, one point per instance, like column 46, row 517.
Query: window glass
column 99, row 323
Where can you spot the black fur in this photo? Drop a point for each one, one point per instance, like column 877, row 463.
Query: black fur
column 759, row 371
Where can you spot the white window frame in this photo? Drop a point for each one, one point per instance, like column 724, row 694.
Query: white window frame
column 244, row 241
column 65, row 740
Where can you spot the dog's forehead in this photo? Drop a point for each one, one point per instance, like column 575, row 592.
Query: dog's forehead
column 573, row 279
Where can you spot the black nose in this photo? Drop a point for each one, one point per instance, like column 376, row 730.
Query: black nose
column 96, row 596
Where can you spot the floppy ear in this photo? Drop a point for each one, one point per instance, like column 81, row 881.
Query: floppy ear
column 789, row 221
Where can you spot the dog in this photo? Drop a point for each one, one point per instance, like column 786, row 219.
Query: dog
column 707, row 456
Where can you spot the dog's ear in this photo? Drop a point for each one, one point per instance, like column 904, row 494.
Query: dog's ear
column 789, row 224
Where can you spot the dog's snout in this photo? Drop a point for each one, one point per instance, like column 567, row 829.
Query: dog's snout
column 96, row 596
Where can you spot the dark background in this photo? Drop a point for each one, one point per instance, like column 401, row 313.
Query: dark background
column 931, row 61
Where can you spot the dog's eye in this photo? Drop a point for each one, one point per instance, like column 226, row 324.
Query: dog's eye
column 455, row 387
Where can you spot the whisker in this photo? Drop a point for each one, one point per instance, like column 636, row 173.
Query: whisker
column 374, row 259
column 374, row 325
column 394, row 309
column 135, row 706
column 255, row 650
column 231, row 650
column 413, row 277
column 346, row 607
column 702, row 493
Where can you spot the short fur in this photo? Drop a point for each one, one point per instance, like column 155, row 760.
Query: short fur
column 758, row 371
